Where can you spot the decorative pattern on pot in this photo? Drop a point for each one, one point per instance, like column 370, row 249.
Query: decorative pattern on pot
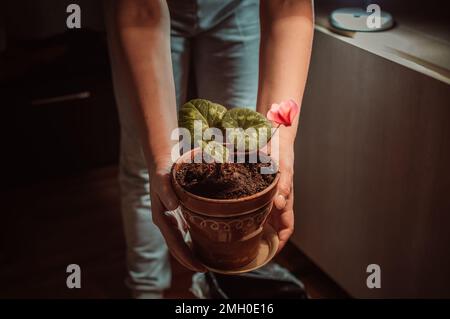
column 228, row 229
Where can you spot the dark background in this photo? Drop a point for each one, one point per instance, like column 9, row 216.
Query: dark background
column 41, row 58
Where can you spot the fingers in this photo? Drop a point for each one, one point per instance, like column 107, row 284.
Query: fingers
column 284, row 233
column 283, row 221
column 280, row 201
column 284, row 190
column 173, row 237
column 176, row 219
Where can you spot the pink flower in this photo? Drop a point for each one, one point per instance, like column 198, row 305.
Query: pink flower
column 283, row 113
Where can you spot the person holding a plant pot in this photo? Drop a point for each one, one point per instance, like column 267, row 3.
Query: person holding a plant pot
column 243, row 53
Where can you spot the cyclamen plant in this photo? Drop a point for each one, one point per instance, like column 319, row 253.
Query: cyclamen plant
column 249, row 129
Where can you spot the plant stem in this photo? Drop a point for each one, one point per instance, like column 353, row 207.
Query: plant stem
column 268, row 146
column 276, row 129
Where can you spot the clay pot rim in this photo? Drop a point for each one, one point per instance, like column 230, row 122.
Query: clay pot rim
column 216, row 200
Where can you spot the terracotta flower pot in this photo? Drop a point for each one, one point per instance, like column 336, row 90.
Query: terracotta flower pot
column 225, row 232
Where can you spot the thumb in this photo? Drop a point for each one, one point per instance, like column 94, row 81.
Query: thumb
column 284, row 189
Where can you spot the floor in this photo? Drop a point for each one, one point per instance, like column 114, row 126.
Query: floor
column 76, row 219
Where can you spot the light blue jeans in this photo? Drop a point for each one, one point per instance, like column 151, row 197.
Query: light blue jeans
column 219, row 41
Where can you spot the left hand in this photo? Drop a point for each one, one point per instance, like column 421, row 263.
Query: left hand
column 282, row 215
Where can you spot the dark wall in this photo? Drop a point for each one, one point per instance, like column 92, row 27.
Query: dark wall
column 46, row 131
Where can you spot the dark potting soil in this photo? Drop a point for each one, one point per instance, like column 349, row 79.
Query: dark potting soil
column 223, row 181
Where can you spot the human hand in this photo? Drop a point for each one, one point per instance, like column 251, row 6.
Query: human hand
column 163, row 199
column 282, row 215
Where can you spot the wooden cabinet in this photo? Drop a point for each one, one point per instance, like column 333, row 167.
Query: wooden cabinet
column 373, row 173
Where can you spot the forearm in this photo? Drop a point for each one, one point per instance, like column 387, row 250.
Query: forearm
column 144, row 34
column 286, row 40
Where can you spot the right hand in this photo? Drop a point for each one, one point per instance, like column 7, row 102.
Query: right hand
column 163, row 199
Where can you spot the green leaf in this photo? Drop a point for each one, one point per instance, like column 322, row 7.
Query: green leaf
column 245, row 126
column 208, row 113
